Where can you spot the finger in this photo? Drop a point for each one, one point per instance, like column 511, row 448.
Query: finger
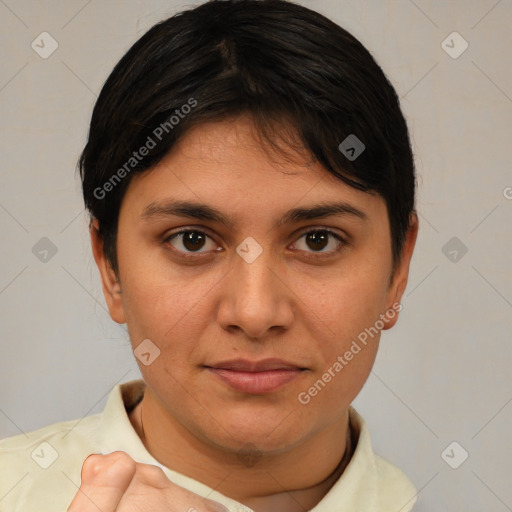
column 105, row 479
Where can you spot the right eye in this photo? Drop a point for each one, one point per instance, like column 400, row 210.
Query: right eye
column 192, row 240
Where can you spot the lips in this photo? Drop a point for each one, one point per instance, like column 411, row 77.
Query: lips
column 255, row 377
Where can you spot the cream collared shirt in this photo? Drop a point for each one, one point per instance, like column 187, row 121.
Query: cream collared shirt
column 40, row 471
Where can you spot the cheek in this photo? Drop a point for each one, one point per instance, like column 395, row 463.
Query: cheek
column 166, row 305
column 342, row 306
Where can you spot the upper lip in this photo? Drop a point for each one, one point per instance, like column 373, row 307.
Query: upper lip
column 245, row 365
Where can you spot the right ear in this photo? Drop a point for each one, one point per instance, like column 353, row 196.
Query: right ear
column 110, row 282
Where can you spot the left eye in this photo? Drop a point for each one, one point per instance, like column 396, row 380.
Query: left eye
column 318, row 239
column 194, row 240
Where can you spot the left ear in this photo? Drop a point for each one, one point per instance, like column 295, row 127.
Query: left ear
column 401, row 275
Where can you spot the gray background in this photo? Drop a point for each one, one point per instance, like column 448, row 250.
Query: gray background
column 442, row 374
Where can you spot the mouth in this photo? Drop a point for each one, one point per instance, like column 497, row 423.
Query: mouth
column 255, row 377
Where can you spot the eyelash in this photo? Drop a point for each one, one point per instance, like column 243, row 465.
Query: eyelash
column 314, row 255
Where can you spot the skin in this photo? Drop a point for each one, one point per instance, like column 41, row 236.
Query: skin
column 215, row 306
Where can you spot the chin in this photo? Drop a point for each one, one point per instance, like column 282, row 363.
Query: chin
column 271, row 432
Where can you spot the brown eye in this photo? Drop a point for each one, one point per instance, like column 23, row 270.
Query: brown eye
column 192, row 241
column 319, row 239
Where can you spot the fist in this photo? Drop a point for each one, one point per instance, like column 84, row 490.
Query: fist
column 115, row 482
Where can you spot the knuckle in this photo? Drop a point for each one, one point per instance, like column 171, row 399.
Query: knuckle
column 120, row 463
column 152, row 475
column 116, row 468
column 119, row 456
column 91, row 465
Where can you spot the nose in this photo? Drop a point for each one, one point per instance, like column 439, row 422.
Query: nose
column 256, row 297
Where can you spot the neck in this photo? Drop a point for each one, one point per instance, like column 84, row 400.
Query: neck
column 293, row 481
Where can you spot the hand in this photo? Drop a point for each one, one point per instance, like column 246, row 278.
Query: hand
column 116, row 483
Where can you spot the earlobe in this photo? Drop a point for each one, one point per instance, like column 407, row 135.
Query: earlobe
column 109, row 280
column 399, row 283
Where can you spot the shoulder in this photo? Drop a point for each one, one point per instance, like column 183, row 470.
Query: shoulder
column 44, row 466
column 395, row 489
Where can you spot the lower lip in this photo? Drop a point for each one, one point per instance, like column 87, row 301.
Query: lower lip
column 256, row 383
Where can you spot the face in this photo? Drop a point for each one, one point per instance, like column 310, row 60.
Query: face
column 251, row 308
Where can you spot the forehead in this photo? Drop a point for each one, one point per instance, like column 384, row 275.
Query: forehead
column 226, row 165
column 238, row 140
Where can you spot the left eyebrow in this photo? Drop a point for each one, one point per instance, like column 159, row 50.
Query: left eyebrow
column 193, row 210
column 319, row 211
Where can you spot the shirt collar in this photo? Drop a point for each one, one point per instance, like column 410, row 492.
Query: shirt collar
column 366, row 484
